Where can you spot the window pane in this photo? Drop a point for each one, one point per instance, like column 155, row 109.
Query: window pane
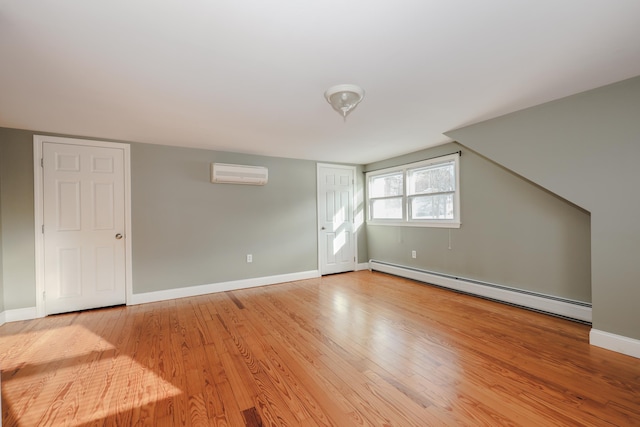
column 432, row 179
column 386, row 185
column 386, row 209
column 439, row 206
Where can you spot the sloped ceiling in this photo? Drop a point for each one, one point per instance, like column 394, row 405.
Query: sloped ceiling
column 249, row 76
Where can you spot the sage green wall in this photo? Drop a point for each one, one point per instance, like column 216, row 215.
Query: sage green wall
column 585, row 148
column 18, row 247
column 188, row 231
column 513, row 232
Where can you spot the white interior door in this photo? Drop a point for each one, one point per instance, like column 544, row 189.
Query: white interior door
column 84, row 227
column 336, row 239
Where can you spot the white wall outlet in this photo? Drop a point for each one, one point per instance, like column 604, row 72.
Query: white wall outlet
column 413, row 254
column 249, row 258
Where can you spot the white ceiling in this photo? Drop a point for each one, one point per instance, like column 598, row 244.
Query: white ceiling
column 249, row 76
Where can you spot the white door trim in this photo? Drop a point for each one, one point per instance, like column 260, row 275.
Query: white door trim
column 318, row 213
column 38, row 141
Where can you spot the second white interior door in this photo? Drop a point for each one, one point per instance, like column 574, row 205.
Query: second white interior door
column 335, row 219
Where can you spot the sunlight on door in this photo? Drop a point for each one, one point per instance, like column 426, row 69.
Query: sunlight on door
column 340, row 216
column 339, row 241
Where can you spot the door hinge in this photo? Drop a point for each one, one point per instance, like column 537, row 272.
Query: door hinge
column 43, row 295
column 42, row 162
column 42, row 228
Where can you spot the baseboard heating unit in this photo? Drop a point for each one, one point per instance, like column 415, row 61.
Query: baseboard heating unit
column 567, row 308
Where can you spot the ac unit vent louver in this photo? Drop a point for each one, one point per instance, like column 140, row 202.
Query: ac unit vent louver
column 222, row 173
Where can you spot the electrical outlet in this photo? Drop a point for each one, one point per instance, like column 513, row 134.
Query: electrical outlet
column 413, row 254
column 249, row 258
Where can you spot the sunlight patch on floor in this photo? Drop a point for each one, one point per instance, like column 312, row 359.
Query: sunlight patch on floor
column 67, row 368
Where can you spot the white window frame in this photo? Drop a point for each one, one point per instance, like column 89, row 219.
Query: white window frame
column 406, row 221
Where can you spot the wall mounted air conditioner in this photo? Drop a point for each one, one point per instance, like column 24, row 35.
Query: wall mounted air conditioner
column 222, row 173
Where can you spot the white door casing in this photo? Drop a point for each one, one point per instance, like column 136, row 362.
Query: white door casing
column 82, row 244
column 336, row 229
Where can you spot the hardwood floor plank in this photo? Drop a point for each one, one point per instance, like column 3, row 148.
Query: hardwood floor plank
column 252, row 418
column 357, row 349
column 237, row 302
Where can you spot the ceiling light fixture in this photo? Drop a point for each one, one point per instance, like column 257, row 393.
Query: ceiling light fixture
column 344, row 98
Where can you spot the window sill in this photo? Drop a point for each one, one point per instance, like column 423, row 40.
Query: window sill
column 430, row 224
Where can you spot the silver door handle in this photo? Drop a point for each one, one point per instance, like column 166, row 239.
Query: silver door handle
column 118, row 236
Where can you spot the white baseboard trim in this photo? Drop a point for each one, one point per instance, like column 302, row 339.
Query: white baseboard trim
column 18, row 314
column 613, row 342
column 193, row 291
column 559, row 306
column 362, row 266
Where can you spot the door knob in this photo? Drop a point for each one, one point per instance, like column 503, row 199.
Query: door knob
column 118, row 236
column 322, row 228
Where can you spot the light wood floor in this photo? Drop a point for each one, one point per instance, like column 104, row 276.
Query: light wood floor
column 353, row 349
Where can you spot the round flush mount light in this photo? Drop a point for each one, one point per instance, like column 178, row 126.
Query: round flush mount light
column 344, row 98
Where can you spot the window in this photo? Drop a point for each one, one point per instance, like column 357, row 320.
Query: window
column 386, row 192
column 419, row 194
